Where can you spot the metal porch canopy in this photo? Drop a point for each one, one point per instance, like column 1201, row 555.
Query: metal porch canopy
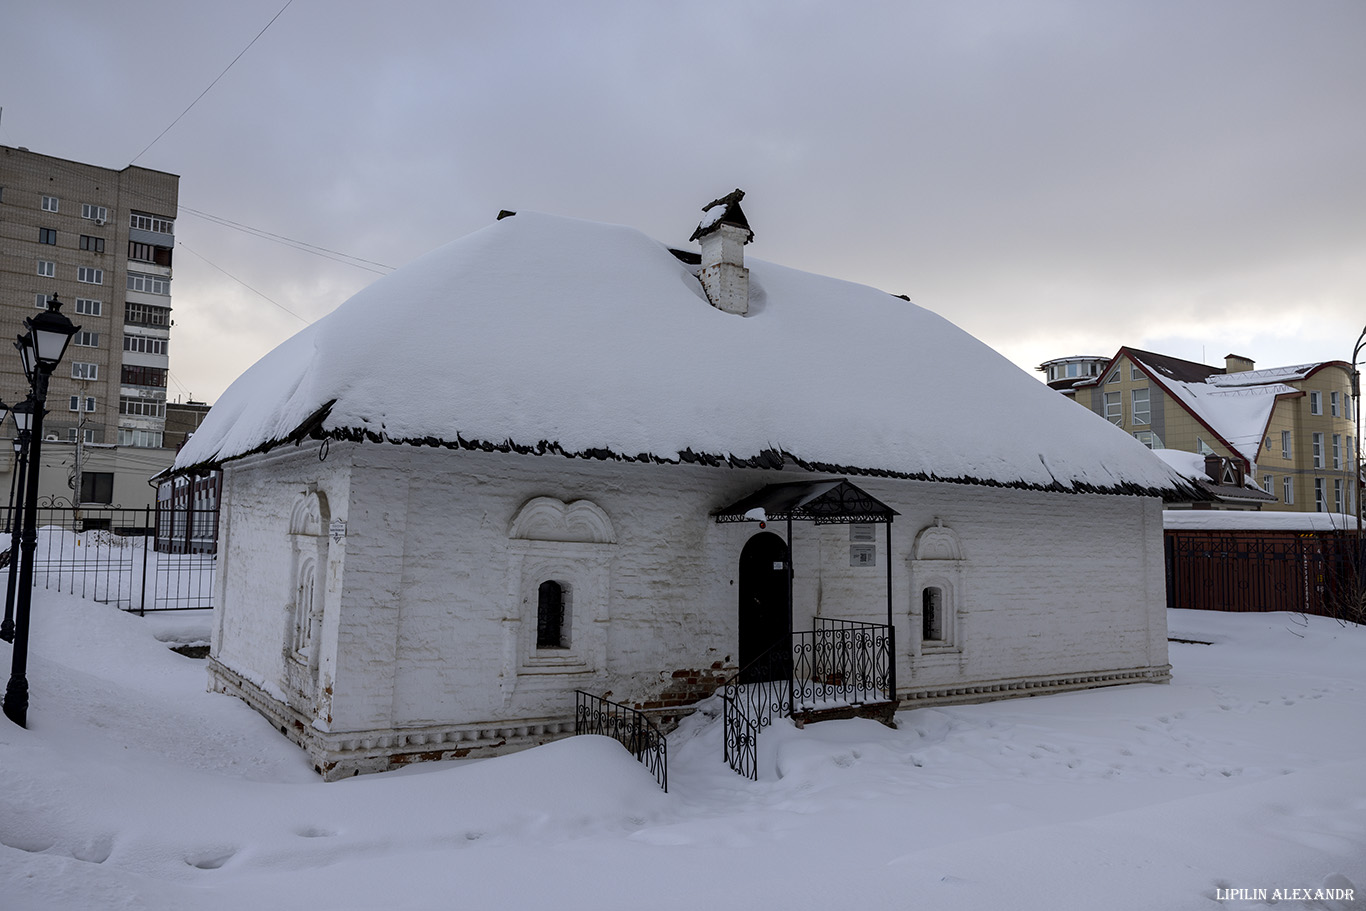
column 828, row 502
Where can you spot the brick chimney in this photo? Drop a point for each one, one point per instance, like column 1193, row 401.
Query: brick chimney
column 723, row 233
column 1236, row 363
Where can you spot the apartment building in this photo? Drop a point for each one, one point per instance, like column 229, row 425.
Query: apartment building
column 1291, row 429
column 102, row 240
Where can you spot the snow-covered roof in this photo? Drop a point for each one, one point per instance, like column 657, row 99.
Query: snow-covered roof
column 1239, row 415
column 1261, row 377
column 554, row 335
column 1192, row 466
column 1232, row 520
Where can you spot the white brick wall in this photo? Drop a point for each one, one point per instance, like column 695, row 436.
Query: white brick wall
column 425, row 621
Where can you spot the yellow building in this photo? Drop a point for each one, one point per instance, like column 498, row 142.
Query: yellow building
column 1292, row 428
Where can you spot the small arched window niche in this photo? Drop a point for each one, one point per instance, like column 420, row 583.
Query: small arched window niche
column 937, row 571
column 560, row 566
column 308, row 553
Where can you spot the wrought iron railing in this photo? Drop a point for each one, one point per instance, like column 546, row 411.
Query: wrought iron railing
column 836, row 663
column 110, row 555
column 630, row 728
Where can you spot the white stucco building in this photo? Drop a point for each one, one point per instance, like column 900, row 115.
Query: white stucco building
column 496, row 477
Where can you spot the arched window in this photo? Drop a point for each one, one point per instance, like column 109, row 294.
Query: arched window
column 306, row 617
column 932, row 614
column 551, row 625
column 308, row 545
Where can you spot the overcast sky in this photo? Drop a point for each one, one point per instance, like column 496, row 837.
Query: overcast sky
column 1057, row 178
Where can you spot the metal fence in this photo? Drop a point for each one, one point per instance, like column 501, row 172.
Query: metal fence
column 112, row 555
column 595, row 715
column 1312, row 573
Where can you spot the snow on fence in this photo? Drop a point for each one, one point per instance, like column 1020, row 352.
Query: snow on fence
column 113, row 556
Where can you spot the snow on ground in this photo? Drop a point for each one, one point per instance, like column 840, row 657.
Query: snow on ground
column 134, row 788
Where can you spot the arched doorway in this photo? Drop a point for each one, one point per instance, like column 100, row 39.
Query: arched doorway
column 765, row 611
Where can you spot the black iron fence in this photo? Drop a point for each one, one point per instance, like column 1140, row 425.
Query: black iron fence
column 1312, row 573
column 595, row 715
column 111, row 555
column 836, row 663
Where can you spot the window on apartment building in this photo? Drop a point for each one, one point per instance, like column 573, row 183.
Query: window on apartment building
column 139, row 251
column 1348, row 443
column 141, row 344
column 1113, row 377
column 77, row 401
column 1285, row 444
column 134, row 375
column 1114, row 409
column 40, row 300
column 1268, row 482
column 1337, row 450
column 1142, row 412
column 47, row 235
column 151, row 223
column 1320, row 496
column 146, row 315
column 1202, row 447
column 1318, row 450
column 92, row 243
column 88, row 306
column 97, row 487
column 1316, row 403
column 1288, row 484
column 1333, row 407
column 71, row 434
column 90, row 276
column 1337, row 495
column 94, row 213
column 83, row 371
column 140, row 439
column 1134, row 372
column 50, row 204
column 148, row 284
column 86, row 339
column 1148, row 438
column 47, row 268
column 142, row 408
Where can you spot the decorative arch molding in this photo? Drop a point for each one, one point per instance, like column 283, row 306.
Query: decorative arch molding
column 937, row 542
column 550, row 519
column 309, row 516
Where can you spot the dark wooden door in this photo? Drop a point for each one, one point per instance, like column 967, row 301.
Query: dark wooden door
column 765, row 609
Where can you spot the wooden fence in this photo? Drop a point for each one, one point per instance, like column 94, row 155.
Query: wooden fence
column 1307, row 572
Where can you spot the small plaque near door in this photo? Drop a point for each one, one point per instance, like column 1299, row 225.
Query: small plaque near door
column 862, row 555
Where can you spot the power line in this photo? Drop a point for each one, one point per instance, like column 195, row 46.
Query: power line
column 303, row 246
column 214, row 83
column 243, row 284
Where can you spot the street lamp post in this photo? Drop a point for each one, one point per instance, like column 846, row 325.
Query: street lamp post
column 40, row 349
column 23, row 414
column 1356, row 414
